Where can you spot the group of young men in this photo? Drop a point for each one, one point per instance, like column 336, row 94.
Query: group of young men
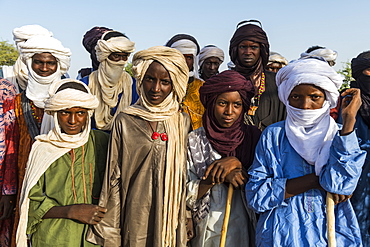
column 59, row 188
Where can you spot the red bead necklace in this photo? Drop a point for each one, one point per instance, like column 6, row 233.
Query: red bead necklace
column 156, row 135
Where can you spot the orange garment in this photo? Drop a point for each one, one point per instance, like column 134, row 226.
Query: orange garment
column 24, row 148
column 192, row 105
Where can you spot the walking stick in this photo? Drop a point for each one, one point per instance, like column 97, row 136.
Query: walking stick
column 227, row 215
column 330, row 220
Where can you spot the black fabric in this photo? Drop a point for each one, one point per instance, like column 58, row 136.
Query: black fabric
column 32, row 125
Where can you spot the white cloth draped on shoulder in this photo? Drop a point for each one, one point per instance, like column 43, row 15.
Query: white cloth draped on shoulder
column 310, row 132
column 49, row 147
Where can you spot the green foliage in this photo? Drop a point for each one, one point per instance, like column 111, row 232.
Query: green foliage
column 347, row 73
column 8, row 53
column 128, row 69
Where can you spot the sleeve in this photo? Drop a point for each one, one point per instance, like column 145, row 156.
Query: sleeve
column 265, row 188
column 341, row 174
column 11, row 143
column 40, row 204
column 108, row 231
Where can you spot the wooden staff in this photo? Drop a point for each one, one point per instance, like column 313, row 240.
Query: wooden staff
column 330, row 217
column 227, row 215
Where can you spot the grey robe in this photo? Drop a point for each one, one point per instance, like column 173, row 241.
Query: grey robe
column 133, row 188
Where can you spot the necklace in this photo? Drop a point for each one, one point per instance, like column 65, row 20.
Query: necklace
column 256, row 99
column 156, row 135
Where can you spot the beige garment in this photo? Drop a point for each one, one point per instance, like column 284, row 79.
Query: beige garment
column 106, row 84
column 135, row 177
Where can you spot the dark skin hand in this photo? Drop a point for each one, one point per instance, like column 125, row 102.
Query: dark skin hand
column 84, row 213
column 228, row 169
column 7, row 204
column 189, row 229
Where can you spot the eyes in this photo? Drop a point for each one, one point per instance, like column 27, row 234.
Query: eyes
column 117, row 56
column 78, row 113
column 253, row 47
column 224, row 103
column 314, row 97
column 209, row 64
column 49, row 63
column 165, row 82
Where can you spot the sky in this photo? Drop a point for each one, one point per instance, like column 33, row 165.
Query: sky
column 291, row 26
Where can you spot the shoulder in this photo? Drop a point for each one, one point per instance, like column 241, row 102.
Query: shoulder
column 196, row 84
column 99, row 136
column 196, row 134
column 274, row 130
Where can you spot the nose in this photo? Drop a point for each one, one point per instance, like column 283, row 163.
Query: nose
column 306, row 104
column 213, row 66
column 229, row 109
column 44, row 67
column 72, row 118
column 156, row 86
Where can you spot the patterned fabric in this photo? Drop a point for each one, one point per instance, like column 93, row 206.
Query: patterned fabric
column 8, row 158
column 192, row 105
column 24, row 147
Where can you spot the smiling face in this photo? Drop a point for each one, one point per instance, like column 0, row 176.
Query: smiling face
column 248, row 53
column 307, row 97
column 72, row 120
column 44, row 64
column 157, row 83
column 228, row 108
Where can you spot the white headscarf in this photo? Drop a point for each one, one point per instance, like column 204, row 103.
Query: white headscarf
column 277, row 58
column 310, row 132
column 167, row 111
column 110, row 80
column 210, row 51
column 328, row 54
column 186, row 46
column 20, row 35
column 48, row 148
column 38, row 86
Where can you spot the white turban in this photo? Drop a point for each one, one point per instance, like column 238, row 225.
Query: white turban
column 48, row 148
column 277, row 58
column 186, row 46
column 210, row 51
column 328, row 54
column 309, row 71
column 38, row 86
column 115, row 44
column 310, row 131
column 22, row 34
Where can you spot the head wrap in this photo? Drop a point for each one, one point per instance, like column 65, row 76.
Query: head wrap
column 90, row 40
column 48, row 148
column 328, row 54
column 174, row 123
column 210, row 51
column 111, row 79
column 277, row 58
column 358, row 65
column 186, row 44
column 21, row 35
column 310, row 132
column 226, row 140
column 38, row 86
column 252, row 33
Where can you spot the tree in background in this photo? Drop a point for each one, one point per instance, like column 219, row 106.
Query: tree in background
column 347, row 73
column 8, row 53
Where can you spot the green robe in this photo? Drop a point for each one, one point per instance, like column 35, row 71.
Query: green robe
column 55, row 188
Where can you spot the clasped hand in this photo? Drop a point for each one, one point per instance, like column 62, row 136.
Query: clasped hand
column 228, row 169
